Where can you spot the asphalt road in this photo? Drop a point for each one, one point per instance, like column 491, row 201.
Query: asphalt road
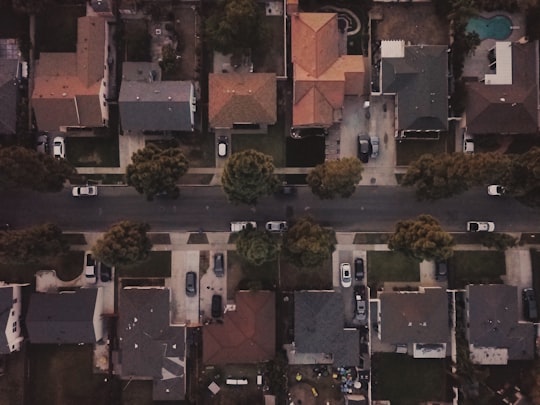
column 371, row 208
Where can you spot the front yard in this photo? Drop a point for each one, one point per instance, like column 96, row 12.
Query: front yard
column 95, row 151
column 157, row 265
column 476, row 267
column 390, row 267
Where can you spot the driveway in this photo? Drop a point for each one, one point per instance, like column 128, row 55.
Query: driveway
column 518, row 272
column 212, row 285
column 184, row 309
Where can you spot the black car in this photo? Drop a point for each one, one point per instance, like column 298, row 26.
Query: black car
column 358, row 268
column 105, row 273
column 300, row 133
column 191, row 284
column 219, row 271
column 364, row 148
column 216, row 306
column 441, row 270
column 530, row 308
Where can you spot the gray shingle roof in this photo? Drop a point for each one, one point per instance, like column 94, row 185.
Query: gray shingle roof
column 319, row 327
column 141, row 72
column 8, row 96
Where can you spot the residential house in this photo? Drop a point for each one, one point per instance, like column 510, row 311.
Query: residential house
column 67, row 317
column 9, row 95
column 322, row 72
column 10, row 317
column 69, row 88
column 418, row 319
column 505, row 101
column 494, row 332
column 242, row 101
column 417, row 75
column 247, row 333
column 320, row 335
column 148, row 104
column 150, row 347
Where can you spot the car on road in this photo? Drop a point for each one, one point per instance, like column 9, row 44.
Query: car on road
column 441, row 270
column 90, row 268
column 276, row 226
column 105, row 273
column 217, row 308
column 345, row 274
column 191, row 284
column 238, row 226
column 496, row 190
column 59, row 148
column 42, row 143
column 360, row 307
column 364, row 148
column 480, row 226
column 84, row 191
column 374, row 146
column 223, row 146
column 219, row 270
column 530, row 307
column 358, row 268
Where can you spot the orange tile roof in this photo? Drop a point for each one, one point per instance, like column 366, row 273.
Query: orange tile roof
column 242, row 97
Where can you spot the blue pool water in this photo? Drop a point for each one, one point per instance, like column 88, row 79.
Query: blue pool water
column 498, row 27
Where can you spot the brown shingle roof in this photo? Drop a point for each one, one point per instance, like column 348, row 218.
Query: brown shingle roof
column 90, row 49
column 246, row 335
column 242, row 97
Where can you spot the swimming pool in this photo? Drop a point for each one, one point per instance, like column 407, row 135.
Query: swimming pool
column 498, row 27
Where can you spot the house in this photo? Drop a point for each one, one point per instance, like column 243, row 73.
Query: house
column 148, row 104
column 417, row 75
column 69, row 88
column 494, row 332
column 320, row 335
column 506, row 102
column 9, row 95
column 68, row 317
column 10, row 317
column 418, row 319
column 149, row 346
column 322, row 74
column 242, row 101
column 247, row 333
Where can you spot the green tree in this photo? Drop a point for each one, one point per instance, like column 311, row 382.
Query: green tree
column 169, row 61
column 31, row 245
column 499, row 241
column 124, row 244
column 523, row 180
column 335, row 178
column 154, row 170
column 256, row 247
column 25, row 168
column 307, row 244
column 422, row 239
column 247, row 176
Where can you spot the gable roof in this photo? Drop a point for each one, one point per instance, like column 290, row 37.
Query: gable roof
column 156, row 106
column 149, row 345
column 242, row 98
column 507, row 108
column 8, row 96
column 414, row 317
column 494, row 322
column 64, row 318
column 247, row 335
column 319, row 327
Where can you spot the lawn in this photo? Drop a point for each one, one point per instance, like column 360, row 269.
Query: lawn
column 404, row 380
column 57, row 28
column 313, row 278
column 158, row 264
column 272, row 144
column 100, row 151
column 390, row 266
column 245, row 276
column 476, row 267
column 371, row 238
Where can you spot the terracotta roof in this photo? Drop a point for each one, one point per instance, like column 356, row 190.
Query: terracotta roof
column 246, row 335
column 242, row 98
column 90, row 49
column 507, row 109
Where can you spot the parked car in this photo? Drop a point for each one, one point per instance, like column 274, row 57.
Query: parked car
column 364, row 148
column 468, row 144
column 238, row 226
column 59, row 148
column 530, row 308
column 90, row 268
column 219, row 270
column 42, row 143
column 217, row 307
column 345, row 273
column 496, row 190
column 301, row 133
column 358, row 268
column 360, row 307
column 223, row 146
column 480, row 226
column 105, row 273
column 276, row 226
column 441, row 270
column 374, row 146
column 191, row 284
column 84, row 191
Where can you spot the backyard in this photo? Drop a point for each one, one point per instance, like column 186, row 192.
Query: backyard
column 390, row 267
column 476, row 267
column 57, row 28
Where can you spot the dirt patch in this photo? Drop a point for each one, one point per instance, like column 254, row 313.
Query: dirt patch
column 326, row 388
column 294, row 278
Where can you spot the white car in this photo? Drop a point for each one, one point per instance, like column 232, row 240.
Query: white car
column 480, row 226
column 468, row 144
column 238, row 226
column 90, row 268
column 223, row 143
column 346, row 276
column 374, row 146
column 84, row 191
column 496, row 190
column 276, row 226
column 59, row 148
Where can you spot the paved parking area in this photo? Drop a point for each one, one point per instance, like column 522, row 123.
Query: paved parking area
column 184, row 309
column 211, row 285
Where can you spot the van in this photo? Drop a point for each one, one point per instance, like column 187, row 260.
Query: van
column 238, row 226
column 191, row 284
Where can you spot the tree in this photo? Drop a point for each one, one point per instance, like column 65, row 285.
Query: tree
column 335, row 177
column 499, row 241
column 124, row 244
column 247, row 176
column 169, row 60
column 422, row 239
column 154, row 170
column 25, row 168
column 256, row 247
column 523, row 180
column 32, row 244
column 307, row 244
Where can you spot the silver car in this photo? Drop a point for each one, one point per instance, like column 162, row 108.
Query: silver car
column 374, row 146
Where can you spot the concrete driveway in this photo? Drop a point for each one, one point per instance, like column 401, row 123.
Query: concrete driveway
column 184, row 309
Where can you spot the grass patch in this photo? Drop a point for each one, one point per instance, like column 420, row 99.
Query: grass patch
column 251, row 277
column 197, row 239
column 160, row 238
column 57, row 28
column 390, row 266
column 410, row 150
column 371, row 238
column 272, row 144
column 316, row 278
column 407, row 381
column 476, row 267
column 158, row 264
column 99, row 151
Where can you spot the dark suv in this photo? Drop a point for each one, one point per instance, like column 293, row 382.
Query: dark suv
column 530, row 308
column 358, row 268
column 216, row 306
column 441, row 270
column 191, row 284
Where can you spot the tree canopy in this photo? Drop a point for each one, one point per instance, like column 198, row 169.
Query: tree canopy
column 523, row 179
column 422, row 239
column 30, row 245
column 25, row 168
column 247, row 176
column 154, row 170
column 335, row 178
column 256, row 247
column 124, row 244
column 307, row 244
